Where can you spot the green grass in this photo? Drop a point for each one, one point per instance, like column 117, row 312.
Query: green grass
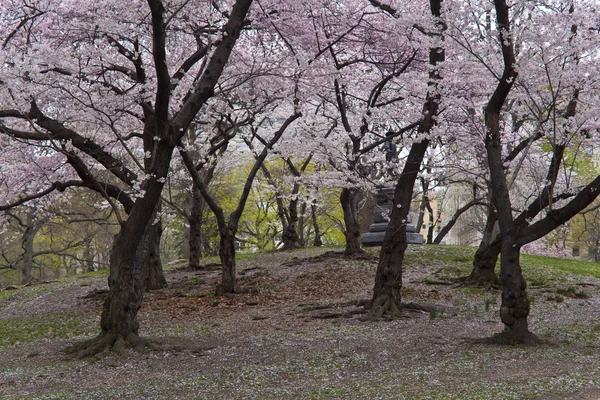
column 48, row 326
column 454, row 261
column 451, row 261
column 27, row 293
column 558, row 267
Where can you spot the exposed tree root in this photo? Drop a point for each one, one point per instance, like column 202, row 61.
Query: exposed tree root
column 483, row 283
column 506, row 338
column 330, row 315
column 204, row 267
column 96, row 293
column 308, row 307
column 428, row 281
column 332, row 255
column 416, row 307
column 107, row 343
column 383, row 306
column 320, row 306
column 220, row 291
column 245, row 271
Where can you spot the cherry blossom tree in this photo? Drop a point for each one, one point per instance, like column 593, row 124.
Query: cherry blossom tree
column 388, row 279
column 104, row 87
column 545, row 115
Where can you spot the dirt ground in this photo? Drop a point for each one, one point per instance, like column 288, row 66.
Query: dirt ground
column 300, row 336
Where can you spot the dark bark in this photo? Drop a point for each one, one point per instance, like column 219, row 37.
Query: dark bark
column 196, row 216
column 153, row 271
column 228, row 228
column 126, row 281
column 283, row 218
column 132, row 245
column 349, row 197
column 558, row 217
column 349, row 201
column 514, row 309
column 28, row 239
column 195, row 229
column 313, row 210
column 484, row 264
column 302, row 226
column 423, row 206
column 388, row 278
column 367, row 212
column 293, row 232
column 486, row 256
column 430, row 225
column 489, row 250
column 289, row 235
column 31, row 227
column 227, row 255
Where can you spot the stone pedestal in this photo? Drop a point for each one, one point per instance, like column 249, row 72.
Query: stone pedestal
column 374, row 237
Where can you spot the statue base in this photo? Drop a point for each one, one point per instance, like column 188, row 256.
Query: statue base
column 377, row 229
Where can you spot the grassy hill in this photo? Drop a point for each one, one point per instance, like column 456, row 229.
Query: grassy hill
column 299, row 335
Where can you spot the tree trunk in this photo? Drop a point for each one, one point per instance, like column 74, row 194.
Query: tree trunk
column 302, row 226
column 430, row 225
column 515, row 303
column 128, row 260
column 484, row 264
column 486, row 256
column 313, row 210
column 289, row 236
column 227, row 255
column 28, row 239
column 153, row 272
column 423, row 206
column 388, row 278
column 195, row 230
column 367, row 212
column 514, row 309
column 349, row 202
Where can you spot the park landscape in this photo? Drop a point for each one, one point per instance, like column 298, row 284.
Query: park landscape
column 297, row 335
column 184, row 185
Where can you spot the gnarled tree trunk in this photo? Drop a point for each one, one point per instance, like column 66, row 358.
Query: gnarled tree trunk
column 486, row 256
column 28, row 239
column 128, row 262
column 195, row 229
column 289, row 235
column 349, row 201
column 153, row 271
column 313, row 210
column 388, row 278
column 227, row 255
column 515, row 303
column 514, row 309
